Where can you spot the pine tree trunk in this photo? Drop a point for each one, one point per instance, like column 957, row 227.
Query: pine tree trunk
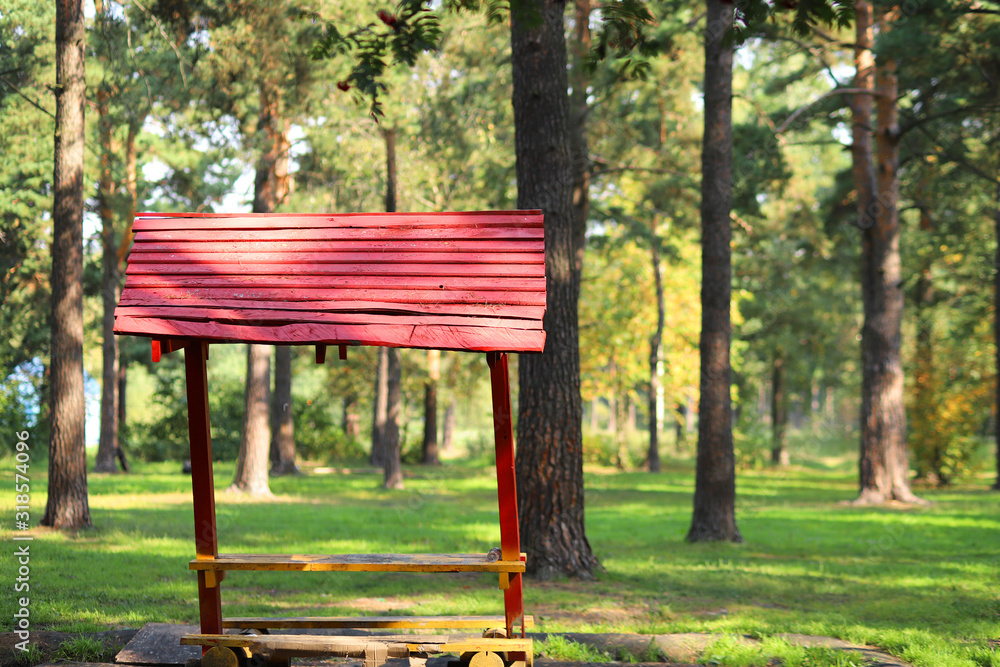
column 132, row 188
column 430, row 445
column 925, row 442
column 393, row 473
column 252, row 462
column 884, row 461
column 272, row 183
column 655, row 385
column 996, row 331
column 110, row 290
column 380, row 403
column 351, row 420
column 779, row 410
column 549, row 428
column 448, row 432
column 578, row 114
column 284, row 436
column 393, row 476
column 67, row 505
column 714, row 516
column 122, row 394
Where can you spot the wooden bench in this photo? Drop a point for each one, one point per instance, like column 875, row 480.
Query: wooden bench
column 451, row 281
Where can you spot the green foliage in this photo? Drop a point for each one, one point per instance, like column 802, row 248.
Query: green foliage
column 751, row 14
column 27, row 57
column 404, row 34
column 32, row 656
column 732, row 652
column 320, row 437
column 556, row 647
column 83, row 649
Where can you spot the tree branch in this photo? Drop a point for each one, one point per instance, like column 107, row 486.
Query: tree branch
column 836, row 91
column 30, row 101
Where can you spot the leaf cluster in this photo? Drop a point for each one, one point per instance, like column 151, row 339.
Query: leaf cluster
column 411, row 30
column 804, row 15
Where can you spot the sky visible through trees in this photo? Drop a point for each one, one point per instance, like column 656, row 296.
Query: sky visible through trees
column 859, row 215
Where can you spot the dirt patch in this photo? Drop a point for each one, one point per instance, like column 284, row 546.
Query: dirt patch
column 50, row 645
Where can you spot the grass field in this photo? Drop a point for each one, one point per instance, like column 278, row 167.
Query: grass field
column 921, row 583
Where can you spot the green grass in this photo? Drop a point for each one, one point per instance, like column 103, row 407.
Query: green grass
column 920, row 583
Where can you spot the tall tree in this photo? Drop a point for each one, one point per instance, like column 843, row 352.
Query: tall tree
column 393, row 473
column 714, row 516
column 272, row 183
column 884, row 461
column 549, row 426
column 283, row 438
column 67, row 505
column 429, row 450
column 255, row 438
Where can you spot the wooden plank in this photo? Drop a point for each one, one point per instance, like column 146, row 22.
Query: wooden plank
column 399, row 312
column 357, row 646
column 331, row 233
column 350, row 214
column 400, row 309
column 358, row 563
column 238, row 296
column 356, row 269
column 352, row 647
column 437, row 283
column 272, row 316
column 305, row 256
column 372, row 622
column 159, row 644
column 477, row 339
column 324, row 244
column 317, row 221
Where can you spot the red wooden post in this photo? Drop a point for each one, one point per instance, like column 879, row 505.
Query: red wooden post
column 510, row 537
column 202, row 484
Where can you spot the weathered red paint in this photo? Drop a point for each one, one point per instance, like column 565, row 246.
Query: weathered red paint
column 202, row 482
column 510, row 537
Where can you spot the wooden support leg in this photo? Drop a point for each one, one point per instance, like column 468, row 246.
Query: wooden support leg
column 202, row 483
column 510, row 538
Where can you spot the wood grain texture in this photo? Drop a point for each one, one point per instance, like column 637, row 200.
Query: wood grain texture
column 357, row 563
column 368, row 622
column 466, row 281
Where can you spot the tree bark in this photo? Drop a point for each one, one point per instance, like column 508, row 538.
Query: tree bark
column 578, row 114
column 448, row 432
column 252, row 462
column 132, row 189
column 272, row 183
column 393, row 473
column 430, row 445
column 549, row 429
column 996, row 331
column 655, row 385
column 67, row 505
column 110, row 291
column 380, row 403
column 284, row 436
column 714, row 516
column 779, row 410
column 925, row 410
column 884, row 460
column 351, row 420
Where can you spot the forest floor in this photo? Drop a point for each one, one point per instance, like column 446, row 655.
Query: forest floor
column 919, row 583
